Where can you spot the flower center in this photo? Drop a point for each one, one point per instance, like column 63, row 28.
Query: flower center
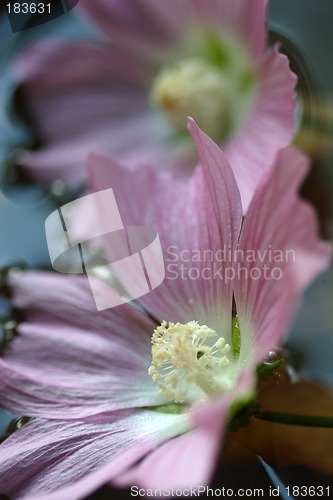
column 196, row 88
column 184, row 358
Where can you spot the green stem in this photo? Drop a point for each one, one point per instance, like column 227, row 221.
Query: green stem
column 290, row 419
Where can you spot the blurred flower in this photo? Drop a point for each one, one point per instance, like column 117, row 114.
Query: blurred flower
column 101, row 395
column 165, row 61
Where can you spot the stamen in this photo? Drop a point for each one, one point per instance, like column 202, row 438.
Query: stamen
column 196, row 88
column 185, row 358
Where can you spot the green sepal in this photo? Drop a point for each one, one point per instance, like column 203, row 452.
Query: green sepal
column 242, row 417
column 295, row 419
column 8, row 332
column 14, row 425
column 215, row 51
column 247, row 81
column 235, row 337
column 264, row 370
column 171, row 408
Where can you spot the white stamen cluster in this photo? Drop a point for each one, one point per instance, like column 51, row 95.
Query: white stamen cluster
column 193, row 87
column 182, row 359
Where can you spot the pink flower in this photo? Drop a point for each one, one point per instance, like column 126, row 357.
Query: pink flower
column 165, row 61
column 84, row 375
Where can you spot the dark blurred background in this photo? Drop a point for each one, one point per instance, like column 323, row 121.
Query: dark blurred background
column 304, row 29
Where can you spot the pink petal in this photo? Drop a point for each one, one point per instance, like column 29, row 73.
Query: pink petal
column 53, row 460
column 269, row 128
column 79, row 62
column 144, row 26
column 184, row 462
column 86, row 98
column 49, row 295
column 74, row 362
column 66, row 159
column 81, row 97
column 284, row 226
column 187, row 216
column 189, row 460
column 225, row 204
column 245, row 19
